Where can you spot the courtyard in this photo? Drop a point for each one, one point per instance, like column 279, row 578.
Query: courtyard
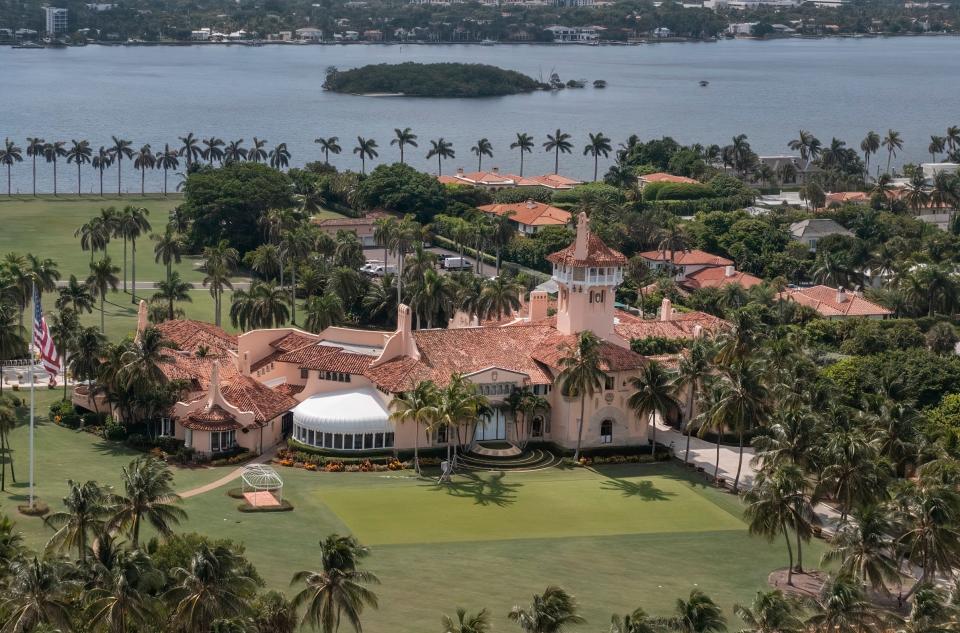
column 618, row 537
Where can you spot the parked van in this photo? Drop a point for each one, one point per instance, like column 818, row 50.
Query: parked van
column 456, row 263
column 380, row 270
column 370, row 265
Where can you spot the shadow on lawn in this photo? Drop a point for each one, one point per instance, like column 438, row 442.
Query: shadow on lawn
column 643, row 489
column 484, row 491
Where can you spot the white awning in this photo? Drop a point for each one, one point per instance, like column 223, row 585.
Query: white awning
column 355, row 411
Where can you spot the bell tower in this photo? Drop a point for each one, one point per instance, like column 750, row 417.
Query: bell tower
column 587, row 273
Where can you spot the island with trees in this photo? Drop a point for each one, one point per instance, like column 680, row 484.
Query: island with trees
column 430, row 80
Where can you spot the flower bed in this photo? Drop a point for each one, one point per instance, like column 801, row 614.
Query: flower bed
column 284, row 506
column 641, row 458
column 318, row 463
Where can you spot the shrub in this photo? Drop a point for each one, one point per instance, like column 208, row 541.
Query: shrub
column 184, row 454
column 677, row 191
column 231, row 460
column 522, row 194
column 114, row 431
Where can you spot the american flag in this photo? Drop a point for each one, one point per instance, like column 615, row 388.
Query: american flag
column 42, row 341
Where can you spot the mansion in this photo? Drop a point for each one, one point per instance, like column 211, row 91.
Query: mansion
column 333, row 390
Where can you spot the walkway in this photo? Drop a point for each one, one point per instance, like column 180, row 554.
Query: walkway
column 234, row 474
column 704, row 454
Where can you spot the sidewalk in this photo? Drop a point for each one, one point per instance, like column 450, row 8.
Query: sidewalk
column 704, row 454
column 234, row 474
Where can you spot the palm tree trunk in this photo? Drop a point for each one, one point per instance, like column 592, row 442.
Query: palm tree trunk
column 34, row 175
column 439, row 165
column 119, row 163
column 653, row 443
column 416, row 439
column 54, row 178
column 164, row 182
column 103, row 329
column 686, row 457
column 6, row 434
column 124, row 263
column 786, row 537
column 78, row 177
column 143, row 179
column 3, row 467
column 521, row 162
column 556, row 161
column 596, row 160
column 133, row 270
column 583, row 406
column 101, row 183
column 799, row 567
column 716, row 466
column 736, row 480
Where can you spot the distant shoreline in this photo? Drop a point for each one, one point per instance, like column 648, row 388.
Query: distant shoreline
column 638, row 42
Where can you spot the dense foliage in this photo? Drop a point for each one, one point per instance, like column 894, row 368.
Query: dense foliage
column 430, row 80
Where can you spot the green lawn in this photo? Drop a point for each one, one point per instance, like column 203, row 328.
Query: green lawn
column 618, row 538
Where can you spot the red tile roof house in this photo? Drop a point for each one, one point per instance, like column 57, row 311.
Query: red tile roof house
column 530, row 216
column 661, row 176
column 362, row 227
column 333, row 390
column 835, row 303
column 494, row 180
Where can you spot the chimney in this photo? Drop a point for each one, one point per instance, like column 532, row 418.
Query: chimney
column 214, row 392
column 459, row 171
column 141, row 318
column 730, row 271
column 666, row 310
column 245, row 365
column 697, row 331
column 496, row 170
column 538, row 305
column 531, row 204
column 583, row 237
column 841, row 295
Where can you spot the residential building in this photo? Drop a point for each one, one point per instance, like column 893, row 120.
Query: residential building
column 530, row 216
column 573, row 34
column 809, row 232
column 847, row 197
column 718, row 277
column 363, row 227
column 683, row 262
column 201, row 35
column 663, row 177
column 310, row 34
column 835, row 303
column 55, row 20
column 932, row 169
column 495, row 181
column 333, row 390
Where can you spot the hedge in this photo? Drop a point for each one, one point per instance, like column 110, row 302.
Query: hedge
column 677, row 191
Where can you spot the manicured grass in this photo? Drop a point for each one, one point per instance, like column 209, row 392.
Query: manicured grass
column 619, row 538
column 45, row 226
column 64, row 454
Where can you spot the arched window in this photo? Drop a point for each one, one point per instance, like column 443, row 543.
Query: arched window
column 536, row 427
column 606, row 432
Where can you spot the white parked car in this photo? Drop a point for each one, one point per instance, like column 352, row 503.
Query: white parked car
column 456, row 263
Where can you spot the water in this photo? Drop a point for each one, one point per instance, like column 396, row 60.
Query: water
column 768, row 90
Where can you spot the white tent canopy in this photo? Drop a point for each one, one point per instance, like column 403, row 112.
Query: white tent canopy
column 358, row 411
column 260, row 478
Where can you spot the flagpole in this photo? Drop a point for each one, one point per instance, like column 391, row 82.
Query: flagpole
column 33, row 388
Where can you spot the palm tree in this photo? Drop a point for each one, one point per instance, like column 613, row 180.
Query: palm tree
column 12, row 342
column 863, row 549
column 323, row 311
column 952, row 137
column 149, row 496
column 101, row 162
column 525, row 144
column 481, row 149
column 403, row 137
column 329, row 146
column 558, row 142
column 144, row 160
column 75, row 296
column 498, row 296
column 478, row 622
column 133, row 224
column 692, row 373
column 635, row 622
column 581, row 375
column 86, row 507
column 220, row 262
column 52, row 152
column 771, row 612
column 366, row 148
column 35, row 147
column 39, row 593
column 213, row 150
column 384, row 228
column 264, row 305
column 234, row 152
column 295, row 247
column 79, row 153
column 10, row 153
column 937, row 145
column 842, row 607
column 808, row 145
column 697, row 614
column 420, row 406
column 440, row 148
column 406, row 233
column 86, row 357
column 744, row 402
column 653, row 396
column 928, row 511
column 869, row 145
column 168, row 249
column 8, row 421
column 256, row 153
column 119, row 600
column 430, row 294
column 121, row 149
column 171, row 290
column 190, row 149
column 599, row 145
column 166, row 160
column 215, row 584
column 338, row 590
column 777, row 504
column 550, row 612
column 892, row 142
column 103, row 278
column 279, row 156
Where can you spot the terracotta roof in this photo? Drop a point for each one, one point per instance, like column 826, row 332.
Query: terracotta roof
column 687, row 258
column 485, row 178
column 823, row 299
column 216, row 418
column 247, row 394
column 327, row 358
column 530, row 213
column 598, row 254
column 612, row 357
column 366, row 220
column 682, row 325
column 662, row 176
column 717, row 277
column 450, row 180
column 847, row 196
column 288, row 389
column 293, row 340
column 551, row 181
column 189, row 336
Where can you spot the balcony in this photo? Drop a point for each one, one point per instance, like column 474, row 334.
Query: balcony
column 609, row 276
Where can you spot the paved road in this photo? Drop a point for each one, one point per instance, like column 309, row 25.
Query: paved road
column 376, row 252
column 152, row 285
